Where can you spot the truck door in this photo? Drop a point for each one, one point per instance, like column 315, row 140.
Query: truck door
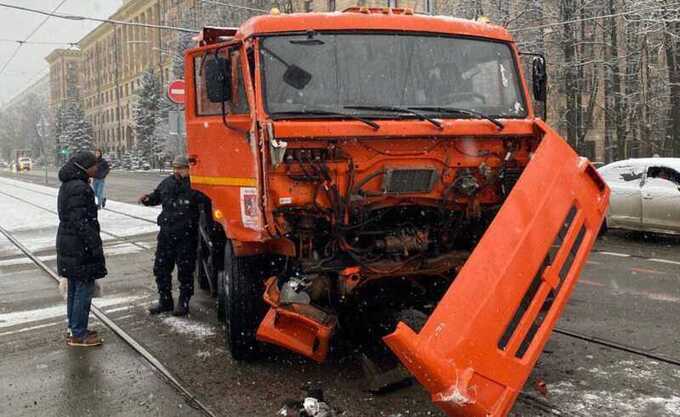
column 661, row 199
column 220, row 131
column 479, row 345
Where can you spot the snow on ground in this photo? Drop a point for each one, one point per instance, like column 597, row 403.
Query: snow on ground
column 28, row 316
column 187, row 327
column 117, row 249
column 658, row 399
column 37, row 228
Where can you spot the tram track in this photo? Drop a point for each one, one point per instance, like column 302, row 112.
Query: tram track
column 122, row 213
column 165, row 374
column 104, row 232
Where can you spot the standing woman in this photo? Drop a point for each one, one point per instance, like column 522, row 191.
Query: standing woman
column 80, row 256
column 99, row 178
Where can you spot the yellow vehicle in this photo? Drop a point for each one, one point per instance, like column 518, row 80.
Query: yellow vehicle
column 22, row 160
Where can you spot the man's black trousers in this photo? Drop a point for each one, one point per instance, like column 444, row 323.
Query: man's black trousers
column 176, row 248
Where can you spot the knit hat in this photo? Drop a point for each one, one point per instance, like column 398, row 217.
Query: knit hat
column 84, row 159
column 180, row 161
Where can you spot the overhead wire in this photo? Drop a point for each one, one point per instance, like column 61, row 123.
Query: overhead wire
column 33, row 32
column 37, row 42
column 95, row 19
column 236, row 6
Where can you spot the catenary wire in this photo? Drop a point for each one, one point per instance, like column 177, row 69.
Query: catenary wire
column 33, row 32
column 95, row 19
column 220, row 3
column 37, row 42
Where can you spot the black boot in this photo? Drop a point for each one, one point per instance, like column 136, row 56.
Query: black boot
column 164, row 304
column 182, row 307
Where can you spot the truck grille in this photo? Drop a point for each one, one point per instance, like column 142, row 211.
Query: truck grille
column 409, row 180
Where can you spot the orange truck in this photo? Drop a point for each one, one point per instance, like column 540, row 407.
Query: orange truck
column 371, row 166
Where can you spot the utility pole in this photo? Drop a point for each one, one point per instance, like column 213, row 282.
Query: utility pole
column 116, row 77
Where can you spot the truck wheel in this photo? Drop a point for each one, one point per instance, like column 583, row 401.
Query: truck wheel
column 202, row 260
column 220, row 296
column 243, row 305
column 207, row 265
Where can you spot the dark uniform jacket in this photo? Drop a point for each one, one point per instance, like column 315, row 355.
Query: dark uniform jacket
column 180, row 205
column 79, row 247
column 103, row 169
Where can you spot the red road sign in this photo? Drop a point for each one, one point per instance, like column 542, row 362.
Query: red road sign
column 176, row 91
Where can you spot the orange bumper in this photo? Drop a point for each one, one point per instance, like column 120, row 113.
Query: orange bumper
column 301, row 328
column 480, row 344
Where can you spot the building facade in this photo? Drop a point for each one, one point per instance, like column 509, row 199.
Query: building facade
column 113, row 60
column 64, row 77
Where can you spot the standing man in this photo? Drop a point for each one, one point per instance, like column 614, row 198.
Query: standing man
column 177, row 238
column 80, row 256
column 98, row 182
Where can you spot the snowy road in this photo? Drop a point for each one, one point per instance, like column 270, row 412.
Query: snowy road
column 29, row 211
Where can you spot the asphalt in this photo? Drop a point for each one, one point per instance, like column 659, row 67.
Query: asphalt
column 627, row 294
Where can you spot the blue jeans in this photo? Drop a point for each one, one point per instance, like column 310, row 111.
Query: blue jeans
column 98, row 185
column 78, row 305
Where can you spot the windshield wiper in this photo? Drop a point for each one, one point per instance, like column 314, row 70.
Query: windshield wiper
column 371, row 123
column 399, row 110
column 468, row 112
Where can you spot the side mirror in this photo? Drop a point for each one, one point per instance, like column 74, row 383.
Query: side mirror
column 540, row 78
column 218, row 79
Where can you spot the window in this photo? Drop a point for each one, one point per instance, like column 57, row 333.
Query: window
column 239, row 102
column 331, row 5
column 664, row 173
column 623, row 174
column 336, row 71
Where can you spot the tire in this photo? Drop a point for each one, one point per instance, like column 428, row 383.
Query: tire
column 244, row 309
column 220, row 296
column 207, row 256
column 201, row 258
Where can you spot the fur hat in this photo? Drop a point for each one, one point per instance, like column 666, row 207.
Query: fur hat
column 84, row 159
column 180, row 161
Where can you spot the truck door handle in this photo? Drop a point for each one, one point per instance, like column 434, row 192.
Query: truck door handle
column 647, row 196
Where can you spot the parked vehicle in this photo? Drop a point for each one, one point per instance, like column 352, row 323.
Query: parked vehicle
column 379, row 174
column 22, row 160
column 645, row 194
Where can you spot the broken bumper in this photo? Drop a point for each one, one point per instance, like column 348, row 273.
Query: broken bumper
column 480, row 344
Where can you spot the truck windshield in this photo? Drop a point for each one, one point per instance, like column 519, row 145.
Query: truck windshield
column 337, row 71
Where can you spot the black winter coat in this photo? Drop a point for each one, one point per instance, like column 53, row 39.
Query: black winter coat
column 180, row 205
column 103, row 169
column 79, row 247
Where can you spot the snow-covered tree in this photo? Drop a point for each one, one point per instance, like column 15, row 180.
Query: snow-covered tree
column 75, row 132
column 147, row 115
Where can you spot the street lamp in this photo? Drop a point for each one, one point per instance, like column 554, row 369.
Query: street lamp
column 41, row 129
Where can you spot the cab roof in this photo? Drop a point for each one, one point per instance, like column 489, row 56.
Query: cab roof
column 386, row 19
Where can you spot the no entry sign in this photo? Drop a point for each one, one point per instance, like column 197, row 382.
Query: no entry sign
column 176, row 91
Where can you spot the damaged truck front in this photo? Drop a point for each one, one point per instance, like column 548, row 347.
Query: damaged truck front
column 379, row 174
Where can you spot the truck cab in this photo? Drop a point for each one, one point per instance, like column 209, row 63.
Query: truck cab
column 374, row 165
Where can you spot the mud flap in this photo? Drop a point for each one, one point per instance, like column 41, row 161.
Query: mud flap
column 482, row 341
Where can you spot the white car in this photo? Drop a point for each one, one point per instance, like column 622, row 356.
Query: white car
column 645, row 194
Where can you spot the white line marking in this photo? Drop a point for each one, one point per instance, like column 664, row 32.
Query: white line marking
column 622, row 255
column 664, row 261
column 28, row 316
column 28, row 329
